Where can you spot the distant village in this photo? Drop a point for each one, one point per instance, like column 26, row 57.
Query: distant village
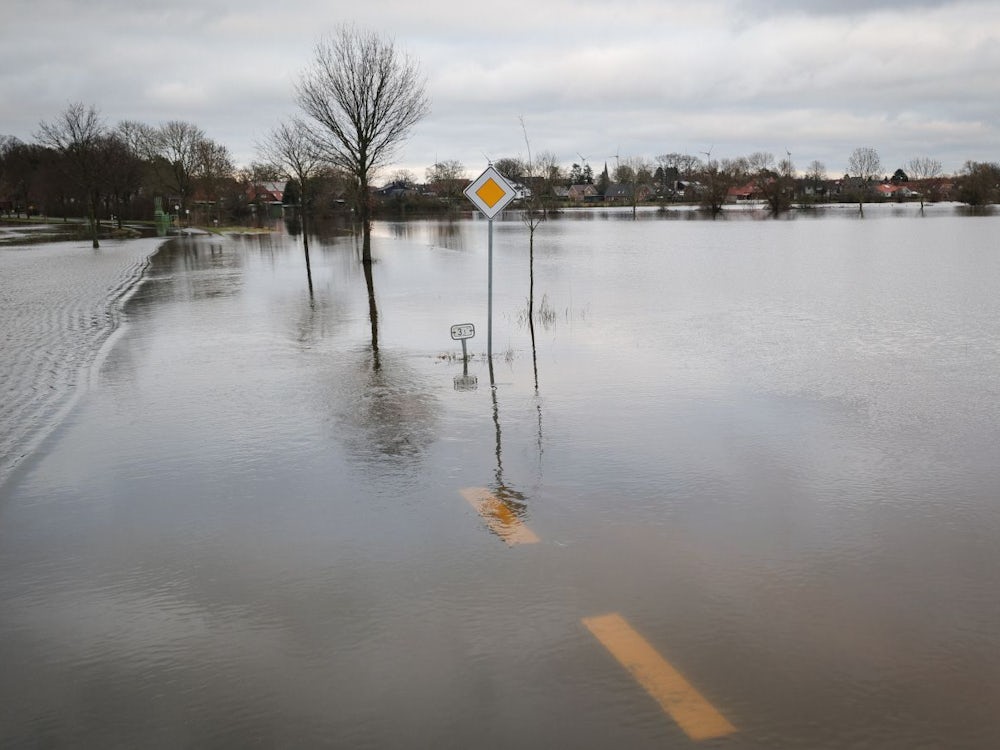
column 139, row 173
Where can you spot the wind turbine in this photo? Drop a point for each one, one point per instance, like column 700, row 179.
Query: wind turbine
column 618, row 164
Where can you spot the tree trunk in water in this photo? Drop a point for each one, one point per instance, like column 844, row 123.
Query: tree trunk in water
column 372, row 307
column 366, row 242
column 94, row 222
column 531, row 302
column 305, row 244
column 365, row 214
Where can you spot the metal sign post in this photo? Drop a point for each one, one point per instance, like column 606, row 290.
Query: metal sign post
column 490, row 193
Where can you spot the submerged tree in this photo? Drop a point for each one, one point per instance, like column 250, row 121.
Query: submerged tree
column 716, row 178
column 979, row 183
column 363, row 97
column 78, row 134
column 925, row 171
column 775, row 183
column 816, row 178
column 866, row 167
column 534, row 213
column 289, row 147
column 633, row 176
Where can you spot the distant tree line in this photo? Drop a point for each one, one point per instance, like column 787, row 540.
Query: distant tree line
column 81, row 167
column 760, row 178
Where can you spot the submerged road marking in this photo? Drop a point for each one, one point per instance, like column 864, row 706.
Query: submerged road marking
column 500, row 519
column 695, row 715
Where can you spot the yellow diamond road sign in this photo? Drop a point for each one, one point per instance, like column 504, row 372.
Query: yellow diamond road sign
column 490, row 192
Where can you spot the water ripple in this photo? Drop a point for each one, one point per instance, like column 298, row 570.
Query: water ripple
column 59, row 304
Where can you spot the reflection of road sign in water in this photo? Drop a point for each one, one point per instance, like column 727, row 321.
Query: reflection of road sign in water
column 466, row 382
column 490, row 192
column 463, row 331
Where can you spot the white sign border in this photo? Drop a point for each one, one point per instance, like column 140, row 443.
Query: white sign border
column 490, row 173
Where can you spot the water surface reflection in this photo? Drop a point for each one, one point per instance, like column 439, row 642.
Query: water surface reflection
column 769, row 445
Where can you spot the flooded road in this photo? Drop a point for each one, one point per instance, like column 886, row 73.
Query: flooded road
column 752, row 502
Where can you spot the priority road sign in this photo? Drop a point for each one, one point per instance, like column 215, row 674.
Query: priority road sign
column 490, row 192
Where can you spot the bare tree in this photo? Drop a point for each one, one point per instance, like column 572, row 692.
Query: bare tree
column 9, row 146
column 513, row 168
column 290, row 148
column 214, row 169
column 139, row 137
column 716, row 177
column 25, row 172
column 175, row 151
column 447, row 179
column 363, row 96
column 924, row 170
column 775, row 182
column 403, row 177
column 548, row 171
column 123, row 171
column 534, row 213
column 633, row 176
column 979, row 183
column 816, row 177
column 866, row 167
column 760, row 162
column 77, row 134
column 685, row 165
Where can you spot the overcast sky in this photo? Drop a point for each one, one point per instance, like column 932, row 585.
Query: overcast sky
column 636, row 78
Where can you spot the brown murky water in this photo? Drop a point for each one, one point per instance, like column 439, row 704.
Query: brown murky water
column 769, row 447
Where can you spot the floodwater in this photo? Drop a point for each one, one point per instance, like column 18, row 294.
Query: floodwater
column 247, row 516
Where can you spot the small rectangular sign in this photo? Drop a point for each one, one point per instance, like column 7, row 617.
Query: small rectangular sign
column 463, row 331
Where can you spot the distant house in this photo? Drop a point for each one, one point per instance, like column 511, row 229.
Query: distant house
column 266, row 192
column 581, row 193
column 622, row 193
column 895, row 191
column 397, row 189
column 687, row 188
column 815, row 188
column 741, row 193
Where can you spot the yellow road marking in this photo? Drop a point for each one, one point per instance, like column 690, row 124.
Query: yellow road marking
column 500, row 519
column 695, row 715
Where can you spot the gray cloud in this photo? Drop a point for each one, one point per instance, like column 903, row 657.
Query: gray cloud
column 638, row 77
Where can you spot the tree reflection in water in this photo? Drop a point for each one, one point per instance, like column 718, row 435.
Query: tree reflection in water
column 386, row 412
column 295, row 224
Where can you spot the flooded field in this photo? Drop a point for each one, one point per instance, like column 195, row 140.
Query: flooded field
column 743, row 492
